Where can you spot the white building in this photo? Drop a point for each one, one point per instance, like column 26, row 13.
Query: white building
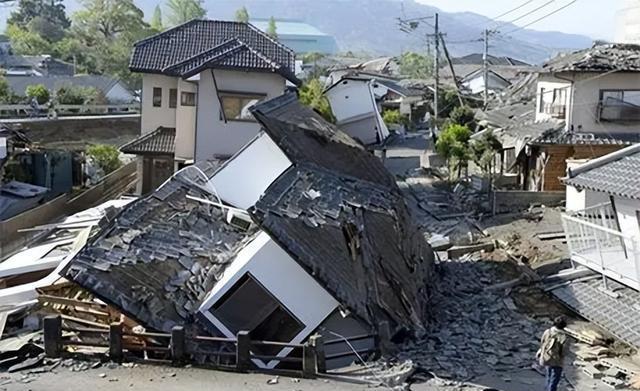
column 605, row 234
column 199, row 80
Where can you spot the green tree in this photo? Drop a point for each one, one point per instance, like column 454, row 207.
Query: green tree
column 415, row 66
column 272, row 28
column 242, row 15
column 311, row 94
column 453, row 145
column 181, row 11
column 38, row 91
column 484, row 151
column 52, row 11
column 156, row 19
column 106, row 156
column 26, row 42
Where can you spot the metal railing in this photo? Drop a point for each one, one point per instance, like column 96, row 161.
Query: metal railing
column 595, row 241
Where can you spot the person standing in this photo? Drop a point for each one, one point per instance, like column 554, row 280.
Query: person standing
column 552, row 352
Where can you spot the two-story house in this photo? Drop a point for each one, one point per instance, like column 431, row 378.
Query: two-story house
column 595, row 93
column 199, row 80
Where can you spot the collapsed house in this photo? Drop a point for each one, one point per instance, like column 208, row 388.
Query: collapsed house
column 315, row 239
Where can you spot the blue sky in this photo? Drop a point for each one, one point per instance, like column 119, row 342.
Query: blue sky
column 595, row 18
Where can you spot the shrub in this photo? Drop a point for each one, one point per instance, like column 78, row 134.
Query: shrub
column 106, row 156
column 38, row 91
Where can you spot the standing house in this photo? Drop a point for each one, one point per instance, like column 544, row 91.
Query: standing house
column 353, row 101
column 199, row 80
column 317, row 238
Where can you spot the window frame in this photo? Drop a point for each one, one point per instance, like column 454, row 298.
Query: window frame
column 173, row 98
column 184, row 102
column 239, row 95
column 156, row 94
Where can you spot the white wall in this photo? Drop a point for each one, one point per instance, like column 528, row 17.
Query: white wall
column 155, row 117
column 549, row 83
column 185, row 123
column 243, row 180
column 271, row 265
column 213, row 136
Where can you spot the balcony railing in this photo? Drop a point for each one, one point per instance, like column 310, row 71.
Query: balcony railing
column 555, row 110
column 595, row 241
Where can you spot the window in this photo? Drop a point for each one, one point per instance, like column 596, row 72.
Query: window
column 188, row 98
column 157, row 97
column 173, row 98
column 619, row 105
column 236, row 106
column 249, row 306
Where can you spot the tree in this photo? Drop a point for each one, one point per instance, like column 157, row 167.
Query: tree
column 242, row 15
column 156, row 19
column 181, row 11
column 105, row 156
column 272, row 29
column 484, row 151
column 311, row 94
column 38, row 91
column 453, row 145
column 415, row 66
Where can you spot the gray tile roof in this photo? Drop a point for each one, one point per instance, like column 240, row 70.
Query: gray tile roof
column 192, row 46
column 615, row 174
column 161, row 141
column 599, row 58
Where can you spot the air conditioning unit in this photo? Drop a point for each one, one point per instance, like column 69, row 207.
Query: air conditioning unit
column 238, row 219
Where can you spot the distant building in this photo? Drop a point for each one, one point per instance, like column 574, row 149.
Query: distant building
column 300, row 36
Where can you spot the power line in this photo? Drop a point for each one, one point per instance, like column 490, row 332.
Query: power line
column 542, row 17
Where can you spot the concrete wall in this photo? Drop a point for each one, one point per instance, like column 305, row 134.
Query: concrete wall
column 155, row 117
column 185, row 123
column 505, row 201
column 241, row 182
column 214, row 137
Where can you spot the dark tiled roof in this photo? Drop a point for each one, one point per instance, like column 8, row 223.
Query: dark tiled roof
column 161, row 141
column 195, row 45
column 161, row 255
column 335, row 189
column 559, row 136
column 615, row 174
column 599, row 58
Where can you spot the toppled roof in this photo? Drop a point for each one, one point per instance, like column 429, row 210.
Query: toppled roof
column 599, row 58
column 340, row 214
column 161, row 255
column 612, row 173
column 560, row 136
column 198, row 44
column 161, row 141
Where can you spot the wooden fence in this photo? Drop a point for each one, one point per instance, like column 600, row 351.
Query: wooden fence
column 178, row 347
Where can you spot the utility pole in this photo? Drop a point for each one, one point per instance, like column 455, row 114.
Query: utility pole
column 436, row 73
column 485, row 67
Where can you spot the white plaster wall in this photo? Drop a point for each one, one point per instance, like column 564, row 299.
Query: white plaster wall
column 213, row 136
column 155, row 117
column 185, row 123
column 243, row 180
column 587, row 96
column 626, row 210
column 271, row 265
column 549, row 83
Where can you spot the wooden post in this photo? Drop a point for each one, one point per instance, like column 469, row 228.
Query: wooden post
column 243, row 355
column 53, row 336
column 178, row 348
column 308, row 361
column 318, row 343
column 115, row 341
